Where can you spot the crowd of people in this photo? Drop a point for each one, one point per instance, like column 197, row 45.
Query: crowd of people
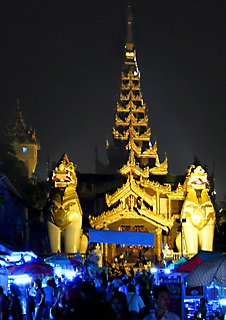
column 91, row 297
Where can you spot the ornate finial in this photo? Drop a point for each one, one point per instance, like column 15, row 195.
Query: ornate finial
column 129, row 39
column 17, row 101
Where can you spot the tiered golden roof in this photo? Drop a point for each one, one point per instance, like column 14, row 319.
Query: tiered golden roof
column 131, row 120
column 136, row 199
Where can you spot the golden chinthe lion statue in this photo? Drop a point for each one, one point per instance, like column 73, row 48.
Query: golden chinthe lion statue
column 198, row 212
column 65, row 212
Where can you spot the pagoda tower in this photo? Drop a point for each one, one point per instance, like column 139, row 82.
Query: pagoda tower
column 150, row 200
column 131, row 128
column 23, row 140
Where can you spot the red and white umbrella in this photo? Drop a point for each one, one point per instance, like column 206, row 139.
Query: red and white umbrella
column 207, row 272
column 75, row 262
column 33, row 269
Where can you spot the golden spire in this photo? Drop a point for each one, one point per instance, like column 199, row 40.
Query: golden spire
column 129, row 38
column 131, row 130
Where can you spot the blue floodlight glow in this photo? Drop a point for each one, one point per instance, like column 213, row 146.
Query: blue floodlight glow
column 21, row 255
column 70, row 274
column 57, row 271
column 12, row 259
column 154, row 270
column 28, row 258
column 222, row 302
column 167, row 270
column 21, row 279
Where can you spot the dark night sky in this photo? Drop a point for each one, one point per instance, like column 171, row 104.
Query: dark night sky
column 64, row 58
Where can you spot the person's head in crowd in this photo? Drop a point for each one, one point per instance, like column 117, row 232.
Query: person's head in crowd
column 53, row 282
column 125, row 281
column 203, row 301
column 131, row 288
column 49, row 283
column 161, row 297
column 119, row 303
column 15, row 290
column 86, row 290
column 38, row 284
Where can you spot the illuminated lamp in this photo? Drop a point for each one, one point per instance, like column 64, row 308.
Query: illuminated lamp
column 21, row 279
column 222, row 302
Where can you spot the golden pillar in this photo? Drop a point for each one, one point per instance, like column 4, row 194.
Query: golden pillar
column 170, row 208
column 102, row 249
column 113, row 246
column 157, row 203
column 158, row 249
column 105, row 251
column 105, row 254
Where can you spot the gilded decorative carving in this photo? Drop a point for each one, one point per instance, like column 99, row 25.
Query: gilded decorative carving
column 130, row 85
column 150, row 152
column 128, row 189
column 120, row 136
column 137, row 86
column 178, row 194
column 156, row 186
column 122, row 109
column 120, row 122
column 127, row 168
column 130, row 75
column 160, row 168
column 143, row 121
column 197, row 179
column 198, row 212
column 158, row 231
column 146, row 135
column 131, row 166
column 64, row 174
column 130, row 95
column 123, row 97
column 130, row 55
column 140, row 137
column 132, row 146
column 110, row 217
column 141, row 109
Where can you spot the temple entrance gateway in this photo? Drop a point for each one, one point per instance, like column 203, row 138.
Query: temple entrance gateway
column 133, row 254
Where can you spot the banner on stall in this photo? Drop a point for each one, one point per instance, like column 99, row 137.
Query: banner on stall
column 122, row 237
column 4, row 272
column 92, row 271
